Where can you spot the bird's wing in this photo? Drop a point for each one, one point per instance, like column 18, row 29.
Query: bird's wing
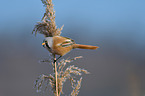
column 67, row 42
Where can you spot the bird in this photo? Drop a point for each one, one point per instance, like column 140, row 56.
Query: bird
column 59, row 45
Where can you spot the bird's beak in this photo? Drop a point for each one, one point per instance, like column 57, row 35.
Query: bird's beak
column 43, row 43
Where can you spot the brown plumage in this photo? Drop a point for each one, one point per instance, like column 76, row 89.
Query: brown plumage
column 61, row 45
column 85, row 46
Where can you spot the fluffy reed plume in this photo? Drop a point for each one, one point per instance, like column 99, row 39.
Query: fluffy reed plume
column 62, row 71
column 47, row 26
column 65, row 72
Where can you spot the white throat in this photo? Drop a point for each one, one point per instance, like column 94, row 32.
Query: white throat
column 50, row 41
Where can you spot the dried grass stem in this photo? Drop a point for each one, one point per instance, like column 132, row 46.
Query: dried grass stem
column 56, row 74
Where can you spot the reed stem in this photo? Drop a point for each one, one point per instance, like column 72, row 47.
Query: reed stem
column 55, row 69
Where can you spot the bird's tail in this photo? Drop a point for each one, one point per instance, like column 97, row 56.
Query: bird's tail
column 85, row 46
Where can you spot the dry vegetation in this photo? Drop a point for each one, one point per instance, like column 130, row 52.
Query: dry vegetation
column 62, row 70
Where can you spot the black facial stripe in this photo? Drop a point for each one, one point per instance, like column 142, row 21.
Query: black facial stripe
column 47, row 45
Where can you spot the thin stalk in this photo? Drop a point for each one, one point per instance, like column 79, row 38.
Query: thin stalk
column 55, row 69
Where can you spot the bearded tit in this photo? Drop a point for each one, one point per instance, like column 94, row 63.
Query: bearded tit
column 59, row 45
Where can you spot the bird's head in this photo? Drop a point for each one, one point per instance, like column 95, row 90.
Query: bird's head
column 47, row 42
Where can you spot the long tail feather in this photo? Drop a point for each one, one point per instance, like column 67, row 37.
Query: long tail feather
column 85, row 46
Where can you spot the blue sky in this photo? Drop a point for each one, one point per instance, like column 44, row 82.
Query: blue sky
column 118, row 17
column 104, row 12
column 116, row 26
